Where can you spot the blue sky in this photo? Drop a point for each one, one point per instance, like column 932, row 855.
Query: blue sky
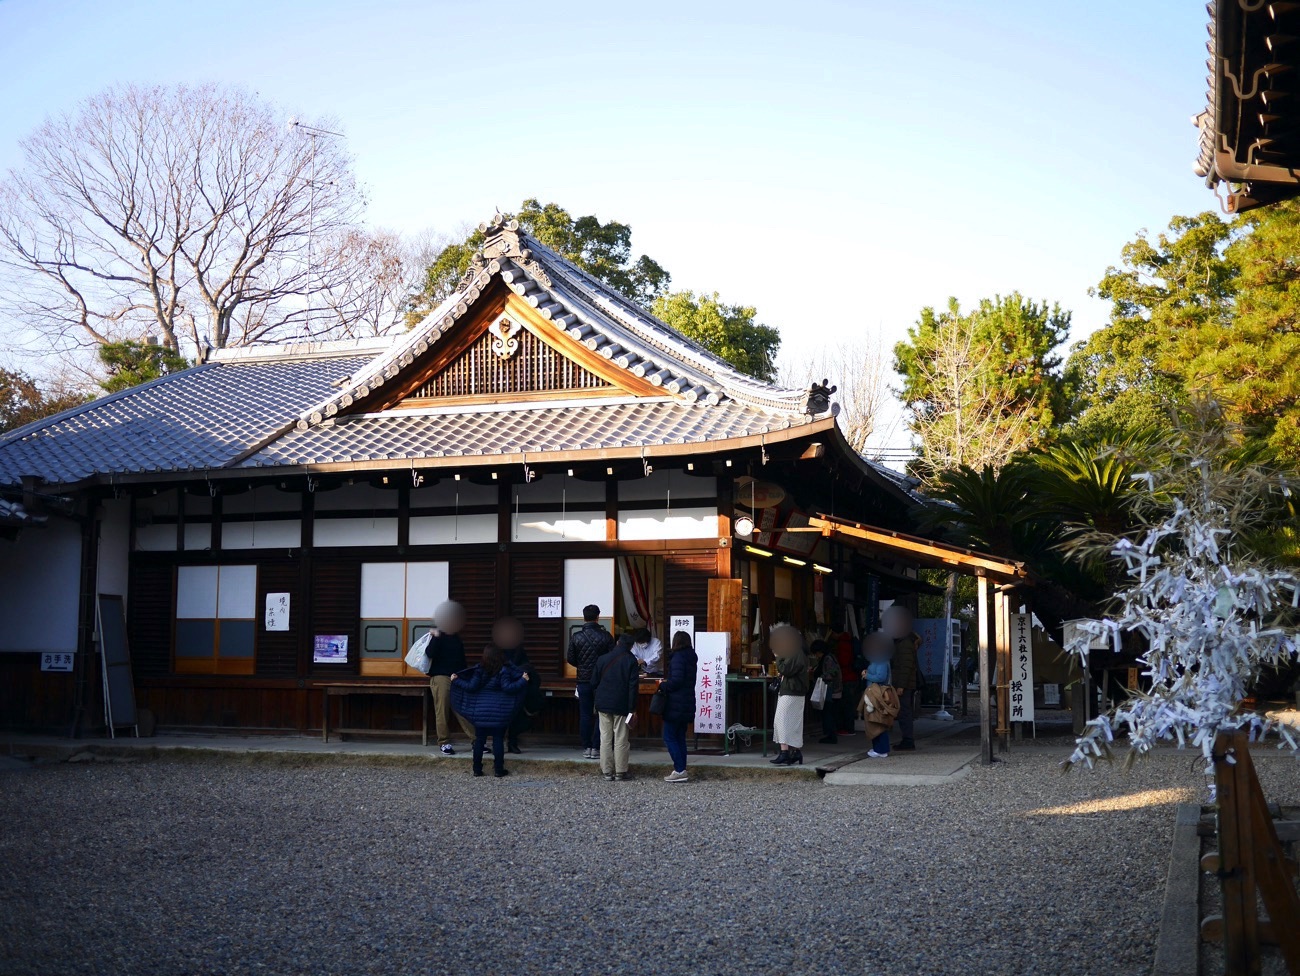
column 838, row 165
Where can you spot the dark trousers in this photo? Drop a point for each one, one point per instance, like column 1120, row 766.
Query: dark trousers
column 848, row 706
column 675, row 743
column 880, row 743
column 498, row 748
column 587, row 735
column 904, row 722
column 520, row 723
column 831, row 717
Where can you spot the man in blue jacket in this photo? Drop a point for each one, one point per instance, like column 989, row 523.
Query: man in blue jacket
column 615, row 681
column 585, row 646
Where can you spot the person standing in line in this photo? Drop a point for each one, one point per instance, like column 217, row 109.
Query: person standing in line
column 846, row 658
column 792, row 693
column 508, row 634
column 446, row 656
column 615, row 683
column 826, row 667
column 585, row 646
column 491, row 692
column 879, row 701
column 896, row 622
column 679, row 709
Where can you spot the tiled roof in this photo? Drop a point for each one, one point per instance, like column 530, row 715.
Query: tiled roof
column 589, row 312
column 202, row 418
column 524, row 429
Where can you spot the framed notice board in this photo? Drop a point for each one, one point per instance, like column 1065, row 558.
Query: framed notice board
column 119, row 686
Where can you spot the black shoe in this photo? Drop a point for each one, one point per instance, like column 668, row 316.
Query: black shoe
column 782, row 759
column 829, row 739
column 623, row 776
column 514, row 747
column 478, row 772
column 906, row 745
column 796, row 757
column 501, row 772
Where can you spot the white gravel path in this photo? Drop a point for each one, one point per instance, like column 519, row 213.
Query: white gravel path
column 237, row 867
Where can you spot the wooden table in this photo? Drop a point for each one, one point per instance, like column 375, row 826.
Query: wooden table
column 405, row 689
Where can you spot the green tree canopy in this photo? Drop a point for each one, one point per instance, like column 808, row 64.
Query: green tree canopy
column 1211, row 308
column 727, row 331
column 132, row 363
column 22, row 400
column 984, row 384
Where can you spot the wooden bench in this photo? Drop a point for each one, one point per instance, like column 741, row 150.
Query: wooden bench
column 405, row 689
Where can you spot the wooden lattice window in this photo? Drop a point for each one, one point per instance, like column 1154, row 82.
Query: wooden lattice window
column 534, row 368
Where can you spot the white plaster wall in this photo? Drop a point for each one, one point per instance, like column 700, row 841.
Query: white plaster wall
column 331, row 533
column 655, row 488
column 114, row 558
column 41, row 574
column 451, row 530
column 280, row 534
column 662, row 523
column 557, row 527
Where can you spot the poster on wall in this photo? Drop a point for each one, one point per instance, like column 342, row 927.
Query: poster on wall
column 277, row 611
column 330, row 649
column 1022, row 668
column 712, row 649
column 680, row 623
column 549, row 607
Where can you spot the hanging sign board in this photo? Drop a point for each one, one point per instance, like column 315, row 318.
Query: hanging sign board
column 1022, row 668
column 712, row 649
column 277, row 611
column 681, row 623
column 56, row 661
column 549, row 607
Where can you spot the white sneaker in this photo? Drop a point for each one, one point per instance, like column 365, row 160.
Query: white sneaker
column 676, row 777
column 877, row 755
column 591, row 754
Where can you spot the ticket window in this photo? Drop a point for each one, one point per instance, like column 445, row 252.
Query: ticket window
column 397, row 603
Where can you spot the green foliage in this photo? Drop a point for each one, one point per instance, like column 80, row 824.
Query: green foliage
column 23, row 401
column 984, row 384
column 727, row 331
column 602, row 250
column 131, row 363
column 1209, row 309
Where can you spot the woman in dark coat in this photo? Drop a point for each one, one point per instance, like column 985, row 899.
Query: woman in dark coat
column 488, row 695
column 679, row 709
column 508, row 634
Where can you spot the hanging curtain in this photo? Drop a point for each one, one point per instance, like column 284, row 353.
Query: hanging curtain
column 637, row 598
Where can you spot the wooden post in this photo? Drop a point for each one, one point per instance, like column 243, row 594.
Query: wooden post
column 1002, row 625
column 982, row 602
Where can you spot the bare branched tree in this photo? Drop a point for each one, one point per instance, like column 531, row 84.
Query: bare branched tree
column 969, row 418
column 373, row 298
column 860, row 369
column 185, row 213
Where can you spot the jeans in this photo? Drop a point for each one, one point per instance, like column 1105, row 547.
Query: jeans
column 880, row 743
column 675, row 743
column 615, row 743
column 586, row 716
column 904, row 722
column 498, row 748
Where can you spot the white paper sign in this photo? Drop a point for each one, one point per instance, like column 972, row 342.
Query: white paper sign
column 277, row 611
column 1022, row 668
column 56, row 661
column 680, row 623
column 549, row 606
column 711, row 681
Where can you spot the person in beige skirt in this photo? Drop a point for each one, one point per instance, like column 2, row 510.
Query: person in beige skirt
column 792, row 665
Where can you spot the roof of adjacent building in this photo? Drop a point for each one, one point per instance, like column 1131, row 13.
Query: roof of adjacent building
column 317, row 405
column 1249, row 132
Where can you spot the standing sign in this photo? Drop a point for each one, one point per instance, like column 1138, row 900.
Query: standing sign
column 549, row 607
column 277, row 611
column 712, row 650
column 1022, row 668
column 680, row 623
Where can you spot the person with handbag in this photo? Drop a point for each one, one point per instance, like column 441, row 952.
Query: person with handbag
column 827, row 669
column 615, row 684
column 446, row 653
column 508, row 634
column 678, row 691
column 585, row 646
column 489, row 694
column 791, row 693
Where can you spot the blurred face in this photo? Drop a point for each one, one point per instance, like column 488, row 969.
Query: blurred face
column 507, row 633
column 879, row 648
column 452, row 621
column 896, row 622
column 785, row 641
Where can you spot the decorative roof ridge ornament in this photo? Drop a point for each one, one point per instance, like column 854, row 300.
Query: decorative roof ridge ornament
column 504, row 330
column 818, row 398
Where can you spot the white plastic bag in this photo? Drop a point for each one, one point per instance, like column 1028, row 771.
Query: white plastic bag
column 418, row 656
column 819, row 693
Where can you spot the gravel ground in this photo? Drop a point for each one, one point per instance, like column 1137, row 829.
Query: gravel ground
column 234, row 867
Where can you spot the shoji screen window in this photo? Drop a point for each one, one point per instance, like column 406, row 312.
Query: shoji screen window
column 397, row 604
column 216, row 619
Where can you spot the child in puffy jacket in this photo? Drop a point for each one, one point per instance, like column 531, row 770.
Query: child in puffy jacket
column 489, row 694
